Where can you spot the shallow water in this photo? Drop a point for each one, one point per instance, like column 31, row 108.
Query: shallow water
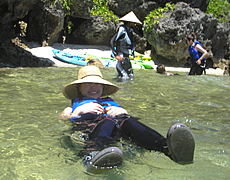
column 31, row 133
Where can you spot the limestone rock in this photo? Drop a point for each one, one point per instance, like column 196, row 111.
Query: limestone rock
column 94, row 31
column 168, row 36
column 142, row 7
column 43, row 22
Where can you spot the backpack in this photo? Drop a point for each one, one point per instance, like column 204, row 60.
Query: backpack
column 113, row 43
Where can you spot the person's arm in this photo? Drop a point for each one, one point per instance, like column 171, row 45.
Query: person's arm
column 119, row 34
column 66, row 113
column 169, row 74
column 91, row 107
column 199, row 48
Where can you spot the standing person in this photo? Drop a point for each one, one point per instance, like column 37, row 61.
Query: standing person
column 104, row 122
column 198, row 55
column 124, row 45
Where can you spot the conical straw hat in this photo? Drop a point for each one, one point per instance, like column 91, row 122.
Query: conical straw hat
column 131, row 17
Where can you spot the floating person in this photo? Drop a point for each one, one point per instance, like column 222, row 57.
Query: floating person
column 99, row 116
column 161, row 70
column 122, row 45
column 198, row 55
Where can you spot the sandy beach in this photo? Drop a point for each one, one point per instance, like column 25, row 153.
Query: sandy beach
column 99, row 51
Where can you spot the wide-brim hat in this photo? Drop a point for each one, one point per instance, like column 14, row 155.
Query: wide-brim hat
column 88, row 74
column 131, row 17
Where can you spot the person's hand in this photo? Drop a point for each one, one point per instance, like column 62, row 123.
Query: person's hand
column 198, row 61
column 119, row 58
column 114, row 111
column 66, row 113
column 91, row 107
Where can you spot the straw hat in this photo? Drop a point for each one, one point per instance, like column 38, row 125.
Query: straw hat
column 131, row 17
column 88, row 74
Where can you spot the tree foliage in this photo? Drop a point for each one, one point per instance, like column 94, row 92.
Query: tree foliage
column 100, row 7
column 220, row 9
column 154, row 16
column 66, row 4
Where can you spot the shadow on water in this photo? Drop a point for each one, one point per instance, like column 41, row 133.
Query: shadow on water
column 31, row 132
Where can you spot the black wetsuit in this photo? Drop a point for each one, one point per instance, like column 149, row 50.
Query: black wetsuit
column 124, row 47
column 103, row 130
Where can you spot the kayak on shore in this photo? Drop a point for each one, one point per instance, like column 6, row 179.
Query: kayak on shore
column 69, row 58
column 82, row 60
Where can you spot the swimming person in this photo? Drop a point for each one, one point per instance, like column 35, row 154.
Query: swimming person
column 93, row 112
column 161, row 70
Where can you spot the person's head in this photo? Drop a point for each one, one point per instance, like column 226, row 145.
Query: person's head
column 130, row 19
column 92, row 90
column 190, row 39
column 161, row 69
column 90, row 83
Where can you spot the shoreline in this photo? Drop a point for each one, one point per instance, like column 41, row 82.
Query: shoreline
column 98, row 50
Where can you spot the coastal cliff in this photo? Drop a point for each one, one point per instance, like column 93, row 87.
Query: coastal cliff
column 45, row 22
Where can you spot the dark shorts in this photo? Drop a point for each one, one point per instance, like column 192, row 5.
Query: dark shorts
column 196, row 70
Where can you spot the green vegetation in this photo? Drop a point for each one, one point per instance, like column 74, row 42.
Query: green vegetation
column 220, row 9
column 154, row 16
column 100, row 7
column 66, row 4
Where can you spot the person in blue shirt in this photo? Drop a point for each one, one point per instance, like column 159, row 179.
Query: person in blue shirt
column 95, row 113
column 198, row 55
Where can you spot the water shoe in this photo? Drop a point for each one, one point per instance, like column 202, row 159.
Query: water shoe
column 181, row 144
column 107, row 159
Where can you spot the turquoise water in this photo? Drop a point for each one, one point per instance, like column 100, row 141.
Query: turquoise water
column 31, row 132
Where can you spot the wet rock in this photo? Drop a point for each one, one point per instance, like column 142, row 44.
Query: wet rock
column 143, row 7
column 94, row 31
column 43, row 22
column 168, row 36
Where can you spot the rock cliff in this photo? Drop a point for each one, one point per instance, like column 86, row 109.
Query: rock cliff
column 168, row 36
column 44, row 22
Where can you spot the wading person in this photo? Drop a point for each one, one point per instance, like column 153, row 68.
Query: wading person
column 122, row 45
column 198, row 55
column 97, row 115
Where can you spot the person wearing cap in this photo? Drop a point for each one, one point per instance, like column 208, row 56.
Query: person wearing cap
column 97, row 115
column 124, row 45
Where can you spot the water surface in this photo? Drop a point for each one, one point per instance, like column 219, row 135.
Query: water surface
column 31, row 133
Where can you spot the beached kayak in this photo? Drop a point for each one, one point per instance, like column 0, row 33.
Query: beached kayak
column 136, row 65
column 82, row 60
column 146, row 64
column 108, row 62
column 69, row 58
